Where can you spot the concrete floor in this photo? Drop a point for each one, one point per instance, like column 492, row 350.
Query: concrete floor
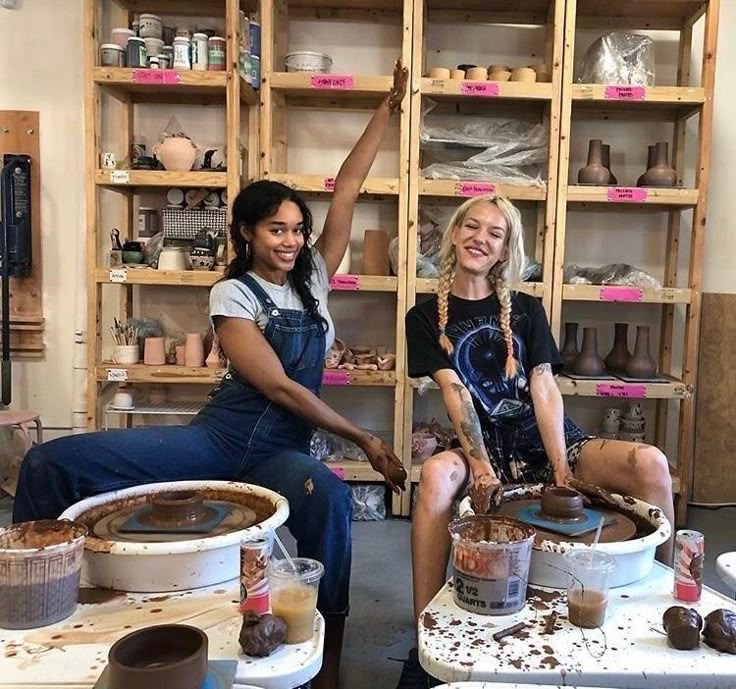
column 380, row 623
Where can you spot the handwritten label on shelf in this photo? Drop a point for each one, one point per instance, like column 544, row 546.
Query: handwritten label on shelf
column 329, row 184
column 618, row 92
column 627, row 194
column 338, row 471
column 118, row 275
column 333, row 82
column 345, row 282
column 621, row 294
column 119, row 177
column 479, row 88
column 160, row 77
column 332, row 377
column 475, row 188
column 117, row 375
column 620, row 390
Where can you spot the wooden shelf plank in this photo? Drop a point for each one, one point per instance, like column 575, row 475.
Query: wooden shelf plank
column 465, row 188
column 139, row 82
column 616, row 293
column 643, row 14
column 429, row 286
column 186, row 8
column 325, row 185
column 150, row 276
column 364, row 283
column 354, row 470
column 637, row 97
column 460, row 89
column 160, row 178
column 632, row 196
column 248, row 94
column 619, row 389
column 347, row 87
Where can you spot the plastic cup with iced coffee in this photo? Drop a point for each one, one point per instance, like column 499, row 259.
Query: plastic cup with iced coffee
column 294, row 595
column 587, row 586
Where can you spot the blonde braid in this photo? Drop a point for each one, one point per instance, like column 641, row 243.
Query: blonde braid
column 447, row 273
column 503, row 293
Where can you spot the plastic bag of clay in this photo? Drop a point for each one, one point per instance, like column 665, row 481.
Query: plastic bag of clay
column 320, row 445
column 610, row 274
column 619, row 58
column 369, row 503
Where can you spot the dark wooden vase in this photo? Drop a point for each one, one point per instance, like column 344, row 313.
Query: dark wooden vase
column 588, row 362
column 619, row 355
column 612, row 179
column 659, row 173
column 594, row 172
column 641, row 364
column 570, row 347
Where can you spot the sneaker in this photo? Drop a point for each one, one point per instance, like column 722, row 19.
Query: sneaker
column 414, row 676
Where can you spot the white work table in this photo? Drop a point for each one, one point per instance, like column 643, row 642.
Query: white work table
column 73, row 653
column 457, row 646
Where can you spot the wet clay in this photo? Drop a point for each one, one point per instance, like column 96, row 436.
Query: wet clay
column 40, row 534
column 720, row 630
column 96, row 596
column 261, row 635
column 683, row 627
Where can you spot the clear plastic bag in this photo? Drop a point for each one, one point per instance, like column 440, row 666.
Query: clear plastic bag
column 610, row 274
column 619, row 58
column 369, row 502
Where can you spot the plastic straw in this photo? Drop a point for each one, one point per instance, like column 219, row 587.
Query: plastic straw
column 597, row 537
column 286, row 555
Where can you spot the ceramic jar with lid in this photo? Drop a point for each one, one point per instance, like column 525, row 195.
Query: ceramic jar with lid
column 112, row 55
column 150, row 26
column 182, row 60
column 216, row 54
column 136, row 52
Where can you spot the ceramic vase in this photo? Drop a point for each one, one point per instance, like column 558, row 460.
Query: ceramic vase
column 606, row 151
column 650, row 163
column 194, row 352
column 375, row 253
column 641, row 364
column 660, row 174
column 154, row 351
column 176, row 153
column 181, row 355
column 570, row 347
column 215, row 357
column 619, row 355
column 594, row 172
column 588, row 362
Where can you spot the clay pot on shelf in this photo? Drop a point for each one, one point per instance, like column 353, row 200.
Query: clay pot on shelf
column 423, row 446
column 543, row 74
column 194, row 352
column 476, row 74
column 154, row 351
column 439, row 73
column 570, row 348
column 387, row 362
column 335, row 355
column 457, row 74
column 660, row 174
column 606, row 150
column 176, row 153
column 499, row 75
column 375, row 253
column 216, row 357
column 619, row 355
column 498, row 68
column 525, row 74
column 650, row 163
column 181, row 355
column 641, row 364
column 588, row 362
column 594, row 172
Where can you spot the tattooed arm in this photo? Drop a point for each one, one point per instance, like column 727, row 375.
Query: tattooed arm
column 549, row 411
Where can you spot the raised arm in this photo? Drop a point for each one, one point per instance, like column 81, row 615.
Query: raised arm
column 336, row 233
column 549, row 411
column 252, row 356
column 459, row 404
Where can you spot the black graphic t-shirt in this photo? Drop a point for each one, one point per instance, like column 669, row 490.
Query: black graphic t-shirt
column 504, row 406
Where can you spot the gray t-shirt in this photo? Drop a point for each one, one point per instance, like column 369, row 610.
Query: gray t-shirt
column 233, row 298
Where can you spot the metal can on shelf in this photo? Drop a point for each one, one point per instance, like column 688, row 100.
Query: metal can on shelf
column 199, row 52
column 255, row 71
column 688, row 565
column 216, row 53
column 244, row 64
column 255, row 588
column 254, row 29
column 182, row 49
column 136, row 52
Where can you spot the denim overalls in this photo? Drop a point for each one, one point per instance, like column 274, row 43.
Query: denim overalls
column 239, row 435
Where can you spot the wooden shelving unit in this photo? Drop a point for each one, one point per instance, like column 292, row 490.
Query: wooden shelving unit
column 675, row 104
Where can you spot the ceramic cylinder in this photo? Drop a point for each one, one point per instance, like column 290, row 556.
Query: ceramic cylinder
column 499, row 68
column 499, row 75
column 194, row 350
column 154, row 351
column 181, row 356
column 477, row 74
column 126, row 354
column 457, row 74
column 525, row 74
column 439, row 73
column 375, row 253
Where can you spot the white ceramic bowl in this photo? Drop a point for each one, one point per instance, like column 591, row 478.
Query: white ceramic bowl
column 308, row 61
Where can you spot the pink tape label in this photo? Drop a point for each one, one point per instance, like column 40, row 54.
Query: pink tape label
column 625, row 92
column 345, row 282
column 338, row 471
column 620, row 390
column 332, row 377
column 156, row 76
column 475, row 188
column 333, row 82
column 479, row 88
column 627, row 194
column 329, row 184
column 621, row 294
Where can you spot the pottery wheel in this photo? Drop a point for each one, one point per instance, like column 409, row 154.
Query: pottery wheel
column 621, row 527
column 112, row 526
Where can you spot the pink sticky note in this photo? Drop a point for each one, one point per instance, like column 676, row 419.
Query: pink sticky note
column 345, row 282
column 620, row 92
column 156, row 76
column 479, row 88
column 338, row 471
column 333, row 82
column 329, row 184
column 334, row 377
column 621, row 390
column 615, row 293
column 475, row 188
column 627, row 194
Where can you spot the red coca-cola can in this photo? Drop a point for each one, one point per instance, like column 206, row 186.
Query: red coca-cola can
column 255, row 590
column 688, row 565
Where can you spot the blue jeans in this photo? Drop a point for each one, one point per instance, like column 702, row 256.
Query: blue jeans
column 59, row 473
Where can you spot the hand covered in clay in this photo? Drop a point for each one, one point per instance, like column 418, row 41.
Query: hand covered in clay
column 398, row 88
column 485, row 493
column 562, row 475
column 386, row 463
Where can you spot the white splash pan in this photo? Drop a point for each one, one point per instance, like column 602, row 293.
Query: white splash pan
column 176, row 565
column 634, row 558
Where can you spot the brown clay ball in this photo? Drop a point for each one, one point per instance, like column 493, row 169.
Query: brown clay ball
column 683, row 627
column 261, row 635
column 720, row 630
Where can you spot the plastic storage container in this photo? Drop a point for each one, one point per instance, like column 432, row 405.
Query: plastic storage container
column 308, row 61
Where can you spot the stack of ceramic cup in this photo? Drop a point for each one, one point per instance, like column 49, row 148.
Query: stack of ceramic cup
column 631, row 425
column 611, row 424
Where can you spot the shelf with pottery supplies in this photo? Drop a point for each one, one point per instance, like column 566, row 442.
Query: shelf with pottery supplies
column 305, row 88
column 429, row 286
column 317, row 184
column 145, row 275
column 637, row 98
column 187, row 8
column 611, row 386
column 159, row 178
column 626, row 293
column 462, row 189
column 463, row 89
column 628, row 197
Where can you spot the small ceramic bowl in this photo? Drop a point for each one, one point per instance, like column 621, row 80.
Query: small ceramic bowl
column 498, row 68
column 439, row 73
column 561, row 504
column 132, row 257
column 476, row 74
column 499, row 76
column 525, row 74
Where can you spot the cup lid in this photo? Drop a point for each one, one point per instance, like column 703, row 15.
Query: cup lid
column 590, row 559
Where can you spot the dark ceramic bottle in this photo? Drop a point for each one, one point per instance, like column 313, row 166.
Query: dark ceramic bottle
column 619, row 355
column 650, row 163
column 641, row 364
column 588, row 362
column 661, row 174
column 570, row 347
column 594, row 172
column 606, row 151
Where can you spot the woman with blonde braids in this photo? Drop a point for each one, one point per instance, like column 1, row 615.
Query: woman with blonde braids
column 492, row 354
